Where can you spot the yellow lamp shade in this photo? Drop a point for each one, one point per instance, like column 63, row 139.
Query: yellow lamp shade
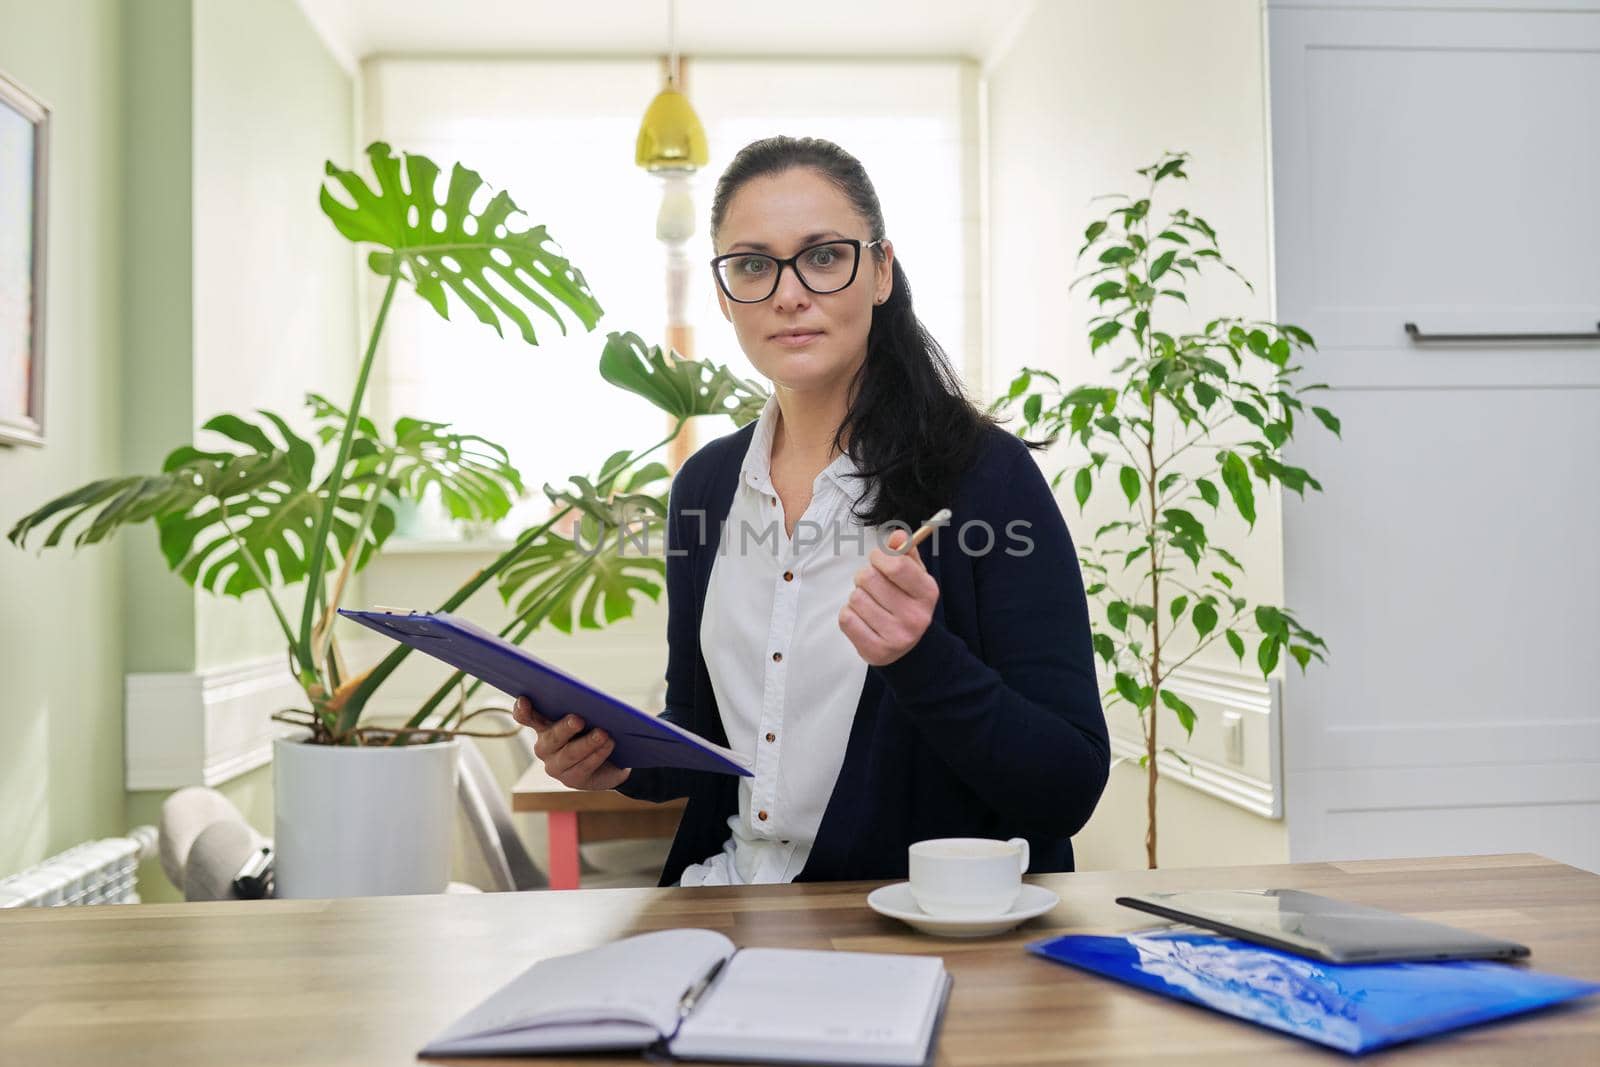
column 671, row 137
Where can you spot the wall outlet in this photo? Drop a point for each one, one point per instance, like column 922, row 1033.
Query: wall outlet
column 1233, row 737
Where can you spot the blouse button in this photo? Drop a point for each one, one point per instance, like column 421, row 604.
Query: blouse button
column 777, row 657
column 761, row 815
column 788, row 576
column 771, row 738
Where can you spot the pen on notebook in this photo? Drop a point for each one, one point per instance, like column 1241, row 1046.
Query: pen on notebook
column 692, row 995
column 938, row 519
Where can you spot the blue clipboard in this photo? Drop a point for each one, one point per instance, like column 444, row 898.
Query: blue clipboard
column 642, row 740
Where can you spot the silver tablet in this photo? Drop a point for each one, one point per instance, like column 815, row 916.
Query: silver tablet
column 1326, row 929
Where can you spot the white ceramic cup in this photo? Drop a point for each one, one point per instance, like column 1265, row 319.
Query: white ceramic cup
column 967, row 877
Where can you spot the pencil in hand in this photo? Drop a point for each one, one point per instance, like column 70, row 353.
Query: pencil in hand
column 936, row 520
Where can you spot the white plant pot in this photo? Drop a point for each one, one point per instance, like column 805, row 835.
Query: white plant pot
column 358, row 821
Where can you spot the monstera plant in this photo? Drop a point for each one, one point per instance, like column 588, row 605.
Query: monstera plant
column 1191, row 423
column 264, row 509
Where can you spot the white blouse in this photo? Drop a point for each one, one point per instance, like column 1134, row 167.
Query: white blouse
column 786, row 678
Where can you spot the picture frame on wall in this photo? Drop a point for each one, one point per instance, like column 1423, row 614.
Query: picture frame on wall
column 24, row 158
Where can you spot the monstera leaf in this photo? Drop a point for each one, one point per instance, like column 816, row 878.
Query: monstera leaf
column 682, row 388
column 213, row 507
column 444, row 244
column 616, row 496
column 593, row 577
column 474, row 475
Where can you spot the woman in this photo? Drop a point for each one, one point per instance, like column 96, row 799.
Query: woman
column 882, row 698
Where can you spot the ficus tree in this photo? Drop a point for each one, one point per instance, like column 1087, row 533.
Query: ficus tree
column 264, row 509
column 1191, row 425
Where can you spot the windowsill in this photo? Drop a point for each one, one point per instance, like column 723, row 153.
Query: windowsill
column 406, row 547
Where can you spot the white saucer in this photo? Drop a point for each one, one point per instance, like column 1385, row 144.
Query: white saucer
column 896, row 902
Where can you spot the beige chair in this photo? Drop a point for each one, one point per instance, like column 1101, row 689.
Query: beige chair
column 204, row 841
column 487, row 816
column 605, row 864
column 215, row 858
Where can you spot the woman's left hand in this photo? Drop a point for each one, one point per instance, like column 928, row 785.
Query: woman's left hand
column 891, row 606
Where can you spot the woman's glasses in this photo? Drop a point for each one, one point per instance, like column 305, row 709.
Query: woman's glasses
column 751, row 277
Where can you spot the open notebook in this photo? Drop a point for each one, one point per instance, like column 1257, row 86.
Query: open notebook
column 692, row 994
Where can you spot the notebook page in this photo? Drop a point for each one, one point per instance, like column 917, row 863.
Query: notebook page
column 619, row 995
column 826, row 1007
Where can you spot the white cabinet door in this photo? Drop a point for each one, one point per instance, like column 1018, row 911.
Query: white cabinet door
column 1442, row 167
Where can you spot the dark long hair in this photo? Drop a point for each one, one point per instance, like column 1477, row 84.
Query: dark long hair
column 909, row 425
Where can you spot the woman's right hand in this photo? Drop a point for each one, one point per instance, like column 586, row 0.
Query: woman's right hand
column 576, row 764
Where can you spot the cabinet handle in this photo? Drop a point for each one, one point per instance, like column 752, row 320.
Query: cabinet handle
column 1427, row 338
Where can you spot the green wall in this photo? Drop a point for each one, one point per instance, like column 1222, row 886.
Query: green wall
column 191, row 273
column 274, row 282
column 158, row 609
column 61, row 654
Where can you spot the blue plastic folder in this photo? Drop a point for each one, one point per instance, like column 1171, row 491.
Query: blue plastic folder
column 1355, row 1007
column 642, row 740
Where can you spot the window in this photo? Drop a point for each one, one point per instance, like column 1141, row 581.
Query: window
column 559, row 136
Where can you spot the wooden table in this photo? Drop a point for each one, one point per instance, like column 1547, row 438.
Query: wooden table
column 367, row 982
column 589, row 815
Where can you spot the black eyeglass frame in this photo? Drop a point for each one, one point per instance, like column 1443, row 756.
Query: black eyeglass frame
column 792, row 263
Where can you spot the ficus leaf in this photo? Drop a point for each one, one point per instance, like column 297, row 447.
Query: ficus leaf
column 1082, row 485
column 1127, row 688
column 1106, row 290
column 1103, row 334
column 1184, row 712
column 1236, row 477
column 1129, row 479
column 1272, row 621
column 1229, row 557
column 1104, row 647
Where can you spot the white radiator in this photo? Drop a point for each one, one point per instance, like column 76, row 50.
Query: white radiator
column 95, row 872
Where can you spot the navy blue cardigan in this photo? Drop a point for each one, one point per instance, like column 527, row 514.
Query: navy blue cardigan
column 990, row 726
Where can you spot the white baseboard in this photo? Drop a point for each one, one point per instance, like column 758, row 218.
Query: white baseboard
column 204, row 727
column 1249, row 776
